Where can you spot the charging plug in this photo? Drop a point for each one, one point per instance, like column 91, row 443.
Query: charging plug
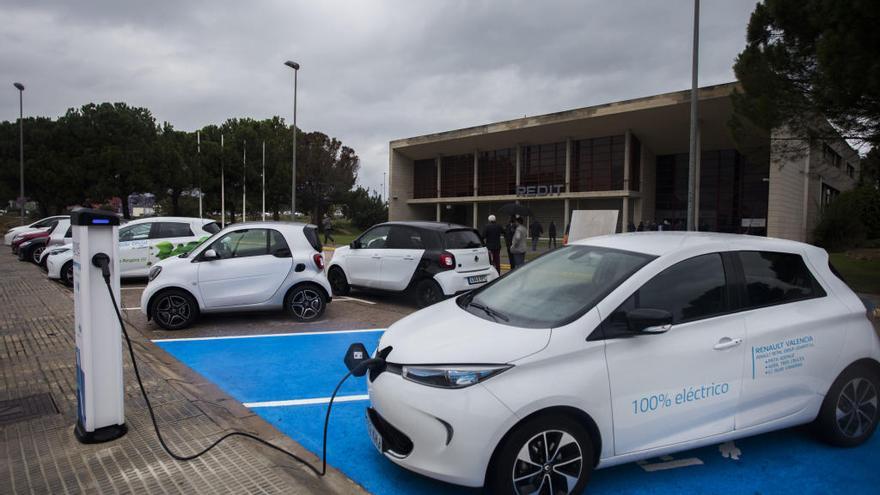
column 102, row 261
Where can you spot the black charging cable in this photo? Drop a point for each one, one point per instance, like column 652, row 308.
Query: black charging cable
column 102, row 261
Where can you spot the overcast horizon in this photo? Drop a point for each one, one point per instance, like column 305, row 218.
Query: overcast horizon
column 370, row 72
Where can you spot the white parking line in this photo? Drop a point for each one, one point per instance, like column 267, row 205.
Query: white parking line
column 346, row 298
column 305, row 402
column 264, row 335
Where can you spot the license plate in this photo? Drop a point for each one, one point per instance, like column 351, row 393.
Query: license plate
column 375, row 437
column 477, row 279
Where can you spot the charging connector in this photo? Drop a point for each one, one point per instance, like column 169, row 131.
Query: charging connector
column 102, row 261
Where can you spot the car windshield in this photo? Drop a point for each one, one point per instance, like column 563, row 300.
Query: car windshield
column 556, row 288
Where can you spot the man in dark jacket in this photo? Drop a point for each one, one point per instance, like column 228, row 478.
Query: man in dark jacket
column 551, row 232
column 535, row 231
column 492, row 238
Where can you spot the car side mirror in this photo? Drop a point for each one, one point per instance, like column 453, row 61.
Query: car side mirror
column 355, row 245
column 209, row 255
column 648, row 320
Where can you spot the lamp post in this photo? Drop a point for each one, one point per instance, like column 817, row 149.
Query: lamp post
column 199, row 166
column 692, row 155
column 295, row 66
column 20, row 87
column 244, row 181
column 222, row 187
column 263, row 178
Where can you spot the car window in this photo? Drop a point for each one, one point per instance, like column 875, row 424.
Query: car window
column 277, row 244
column 135, row 232
column 776, row 278
column 462, row 239
column 375, row 238
column 241, row 244
column 400, row 237
column 69, row 232
column 49, row 222
column 555, row 288
column 163, row 230
column 691, row 290
column 211, row 228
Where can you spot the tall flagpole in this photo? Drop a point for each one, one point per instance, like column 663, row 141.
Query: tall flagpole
column 263, row 175
column 243, row 180
column 692, row 154
column 199, row 165
column 222, row 187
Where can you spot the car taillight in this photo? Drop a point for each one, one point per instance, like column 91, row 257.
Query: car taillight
column 447, row 261
column 319, row 260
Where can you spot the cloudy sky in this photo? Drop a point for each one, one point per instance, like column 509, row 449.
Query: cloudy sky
column 372, row 71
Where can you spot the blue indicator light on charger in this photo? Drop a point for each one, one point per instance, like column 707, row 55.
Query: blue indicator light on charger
column 100, row 220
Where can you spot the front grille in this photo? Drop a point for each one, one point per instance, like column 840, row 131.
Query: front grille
column 393, row 440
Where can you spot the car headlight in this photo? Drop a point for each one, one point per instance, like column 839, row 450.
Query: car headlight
column 57, row 251
column 154, row 272
column 16, row 237
column 452, row 376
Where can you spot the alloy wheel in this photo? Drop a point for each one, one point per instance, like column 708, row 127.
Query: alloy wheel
column 306, row 304
column 68, row 274
column 549, row 463
column 173, row 310
column 36, row 253
column 856, row 407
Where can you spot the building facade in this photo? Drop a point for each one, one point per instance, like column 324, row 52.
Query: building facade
column 631, row 156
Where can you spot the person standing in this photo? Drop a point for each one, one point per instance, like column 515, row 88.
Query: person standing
column 492, row 238
column 518, row 244
column 509, row 230
column 551, row 233
column 535, row 230
column 327, row 223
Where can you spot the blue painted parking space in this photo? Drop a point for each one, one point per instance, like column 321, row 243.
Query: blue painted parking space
column 302, row 369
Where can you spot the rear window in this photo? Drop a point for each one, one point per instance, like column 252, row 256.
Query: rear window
column 777, row 278
column 311, row 233
column 462, row 239
column 211, row 228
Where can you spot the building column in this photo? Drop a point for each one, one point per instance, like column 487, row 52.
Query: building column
column 568, row 164
column 438, row 211
column 806, row 208
column 697, row 179
column 476, row 182
column 627, row 143
column 566, row 219
column 624, row 224
column 518, row 163
column 475, row 214
column 438, row 162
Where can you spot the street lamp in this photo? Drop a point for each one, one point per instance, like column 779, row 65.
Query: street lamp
column 20, row 87
column 295, row 66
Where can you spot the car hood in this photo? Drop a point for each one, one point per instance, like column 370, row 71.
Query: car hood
column 172, row 261
column 446, row 334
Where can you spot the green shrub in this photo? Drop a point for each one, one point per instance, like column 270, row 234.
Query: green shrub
column 851, row 219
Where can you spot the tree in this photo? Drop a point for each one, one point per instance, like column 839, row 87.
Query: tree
column 365, row 209
column 171, row 170
column 326, row 170
column 812, row 58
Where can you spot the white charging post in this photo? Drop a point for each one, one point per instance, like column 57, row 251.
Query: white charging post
column 101, row 408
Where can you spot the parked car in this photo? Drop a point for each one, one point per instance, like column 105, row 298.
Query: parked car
column 25, row 238
column 620, row 348
column 245, row 267
column 59, row 263
column 33, row 249
column 41, row 224
column 429, row 260
column 145, row 241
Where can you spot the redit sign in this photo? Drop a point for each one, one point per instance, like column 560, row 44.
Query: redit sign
column 542, row 190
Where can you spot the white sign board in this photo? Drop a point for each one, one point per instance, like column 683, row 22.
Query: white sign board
column 592, row 223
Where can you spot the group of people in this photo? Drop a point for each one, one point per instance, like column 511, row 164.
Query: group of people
column 515, row 237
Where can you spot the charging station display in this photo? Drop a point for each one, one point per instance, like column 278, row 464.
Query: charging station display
column 99, row 381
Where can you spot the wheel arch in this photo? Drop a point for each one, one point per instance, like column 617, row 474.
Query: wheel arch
column 867, row 362
column 164, row 290
column 572, row 412
column 293, row 287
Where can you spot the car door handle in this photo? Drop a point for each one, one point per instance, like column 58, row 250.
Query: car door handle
column 727, row 343
column 377, row 257
column 408, row 258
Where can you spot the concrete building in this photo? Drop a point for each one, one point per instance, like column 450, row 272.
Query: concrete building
column 631, row 156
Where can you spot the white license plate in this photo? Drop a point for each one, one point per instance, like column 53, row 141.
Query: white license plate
column 477, row 279
column 375, row 437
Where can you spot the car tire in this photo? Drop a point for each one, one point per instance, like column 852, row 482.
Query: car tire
column 174, row 309
column 305, row 302
column 338, row 281
column 35, row 254
column 522, row 463
column 427, row 292
column 67, row 274
column 849, row 413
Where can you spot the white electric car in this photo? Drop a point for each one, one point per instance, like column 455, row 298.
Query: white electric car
column 621, row 348
column 245, row 267
column 143, row 243
column 430, row 260
column 42, row 224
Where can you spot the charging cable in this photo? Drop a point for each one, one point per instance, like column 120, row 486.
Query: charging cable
column 102, row 261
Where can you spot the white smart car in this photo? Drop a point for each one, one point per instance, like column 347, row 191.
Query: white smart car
column 621, row 348
column 245, row 267
column 42, row 224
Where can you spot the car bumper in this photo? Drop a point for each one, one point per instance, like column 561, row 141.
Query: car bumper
column 53, row 268
column 452, row 433
column 453, row 282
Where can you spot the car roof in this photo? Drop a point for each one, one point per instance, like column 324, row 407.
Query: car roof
column 169, row 219
column 662, row 243
column 271, row 223
column 438, row 226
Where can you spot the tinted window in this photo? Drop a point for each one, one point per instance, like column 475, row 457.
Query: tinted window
column 690, row 290
column 135, row 232
column 775, row 278
column 211, row 228
column 404, row 238
column 50, row 222
column 277, row 244
column 242, row 243
column 461, row 239
column 171, row 229
column 69, row 232
column 311, row 234
column 375, row 238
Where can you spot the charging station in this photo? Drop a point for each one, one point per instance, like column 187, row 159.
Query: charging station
column 99, row 382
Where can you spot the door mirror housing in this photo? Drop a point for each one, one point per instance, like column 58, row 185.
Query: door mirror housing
column 355, row 245
column 209, row 255
column 648, row 320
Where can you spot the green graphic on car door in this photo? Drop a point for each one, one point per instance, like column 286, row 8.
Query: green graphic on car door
column 166, row 249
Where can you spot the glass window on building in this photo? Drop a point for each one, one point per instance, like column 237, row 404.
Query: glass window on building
column 597, row 164
column 496, row 172
column 635, row 164
column 425, row 178
column 457, row 176
column 543, row 165
column 829, row 194
column 831, row 156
